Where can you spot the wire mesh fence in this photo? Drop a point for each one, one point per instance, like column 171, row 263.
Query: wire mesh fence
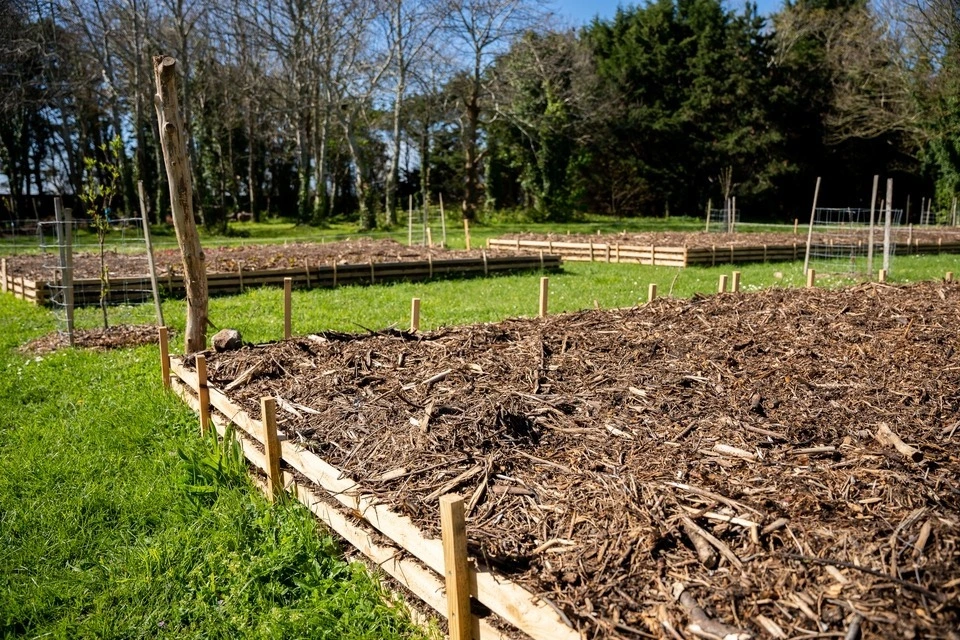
column 853, row 242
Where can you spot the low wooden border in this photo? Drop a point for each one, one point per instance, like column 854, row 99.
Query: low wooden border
column 416, row 562
column 689, row 256
column 86, row 291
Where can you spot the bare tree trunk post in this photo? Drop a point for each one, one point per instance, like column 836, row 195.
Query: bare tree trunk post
column 873, row 202
column 173, row 139
column 150, row 261
column 886, row 227
column 813, row 212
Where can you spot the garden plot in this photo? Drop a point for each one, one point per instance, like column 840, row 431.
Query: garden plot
column 679, row 249
column 230, row 269
column 776, row 464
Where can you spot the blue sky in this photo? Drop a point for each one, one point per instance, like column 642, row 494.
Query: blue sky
column 579, row 12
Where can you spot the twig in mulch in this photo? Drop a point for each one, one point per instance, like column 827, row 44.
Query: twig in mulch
column 912, row 586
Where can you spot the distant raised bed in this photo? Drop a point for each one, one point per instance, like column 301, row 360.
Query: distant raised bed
column 232, row 269
column 675, row 249
column 779, row 464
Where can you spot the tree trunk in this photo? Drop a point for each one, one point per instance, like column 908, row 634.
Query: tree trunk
column 173, row 138
column 471, row 195
column 391, row 186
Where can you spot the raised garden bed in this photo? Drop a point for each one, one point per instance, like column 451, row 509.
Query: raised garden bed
column 780, row 464
column 231, row 269
column 676, row 249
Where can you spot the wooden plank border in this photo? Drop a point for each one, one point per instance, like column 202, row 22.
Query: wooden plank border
column 517, row 606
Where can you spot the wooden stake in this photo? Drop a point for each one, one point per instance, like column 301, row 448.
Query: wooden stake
column 948, row 277
column 811, row 278
column 722, row 285
column 443, row 224
column 65, row 232
column 652, row 292
column 454, row 533
column 415, row 314
column 410, row 223
column 287, row 286
column 271, row 446
column 466, row 232
column 873, row 200
column 151, row 263
column 709, row 206
column 429, row 237
column 544, row 295
column 813, row 212
column 886, row 227
column 733, row 214
column 882, row 276
column 306, row 268
column 796, row 223
column 164, row 356
column 736, row 282
column 3, row 274
column 204, row 393
column 953, row 214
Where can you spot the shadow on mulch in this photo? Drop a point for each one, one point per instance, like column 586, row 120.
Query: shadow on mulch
column 115, row 337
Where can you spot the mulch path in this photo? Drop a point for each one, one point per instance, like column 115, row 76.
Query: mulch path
column 705, row 240
column 248, row 258
column 115, row 337
column 720, row 460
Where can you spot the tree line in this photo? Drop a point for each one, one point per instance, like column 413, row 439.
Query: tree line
column 324, row 109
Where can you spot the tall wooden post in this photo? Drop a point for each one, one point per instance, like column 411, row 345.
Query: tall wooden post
column 173, row 140
column 443, row 224
column 544, row 295
column 886, row 227
column 164, row 356
column 287, row 310
column 813, row 212
column 466, row 232
column 410, row 222
column 271, row 446
column 150, row 261
column 65, row 237
column 873, row 201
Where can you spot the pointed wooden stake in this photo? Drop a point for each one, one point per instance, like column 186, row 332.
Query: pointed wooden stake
column 164, row 356
column 415, row 314
column 722, row 285
column 287, row 286
column 454, row 532
column 271, row 446
column 544, row 295
column 652, row 292
column 204, row 393
column 736, row 282
column 811, row 278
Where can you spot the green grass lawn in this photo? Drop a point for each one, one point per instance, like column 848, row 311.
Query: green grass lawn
column 117, row 521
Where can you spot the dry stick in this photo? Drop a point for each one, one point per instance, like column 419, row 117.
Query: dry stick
column 736, row 281
column 704, row 626
column 886, row 436
column 882, row 275
column 454, row 534
column 150, row 261
column 466, row 232
column 705, row 551
column 811, row 278
column 886, row 227
column 912, row 586
column 271, row 446
column 544, row 295
column 415, row 314
column 873, row 200
column 164, row 356
column 709, row 206
column 204, row 393
column 287, row 285
column 722, row 285
column 652, row 292
column 813, row 212
column 443, row 224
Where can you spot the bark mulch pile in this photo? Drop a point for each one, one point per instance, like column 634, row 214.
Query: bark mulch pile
column 726, row 464
column 701, row 239
column 248, row 258
column 115, row 337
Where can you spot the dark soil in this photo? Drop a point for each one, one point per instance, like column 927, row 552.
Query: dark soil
column 116, row 337
column 706, row 240
column 597, row 450
column 247, row 258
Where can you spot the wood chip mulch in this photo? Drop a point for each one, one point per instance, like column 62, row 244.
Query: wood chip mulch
column 247, row 258
column 116, row 337
column 778, row 464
